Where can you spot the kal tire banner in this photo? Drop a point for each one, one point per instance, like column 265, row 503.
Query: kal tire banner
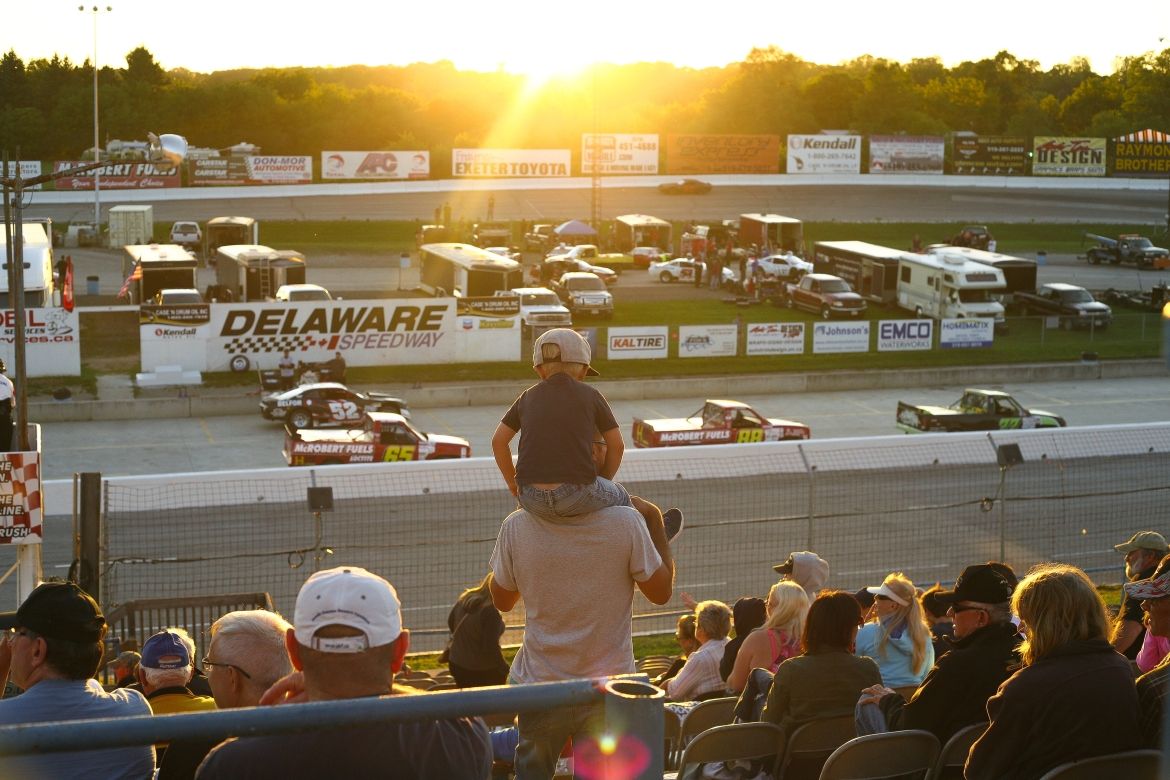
column 990, row 155
column 1068, row 156
column 637, row 343
column 722, row 154
column 617, row 153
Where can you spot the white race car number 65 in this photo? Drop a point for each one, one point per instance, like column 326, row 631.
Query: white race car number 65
column 344, row 410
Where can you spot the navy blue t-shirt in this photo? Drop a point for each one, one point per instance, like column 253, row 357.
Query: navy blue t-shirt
column 558, row 420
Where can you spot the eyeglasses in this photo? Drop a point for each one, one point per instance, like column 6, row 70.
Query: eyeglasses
column 957, row 608
column 12, row 633
column 209, row 662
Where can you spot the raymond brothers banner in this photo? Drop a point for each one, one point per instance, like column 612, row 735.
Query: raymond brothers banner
column 722, row 154
column 1144, row 154
column 1068, row 156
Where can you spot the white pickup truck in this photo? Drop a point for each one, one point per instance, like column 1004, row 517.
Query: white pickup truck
column 187, row 234
column 539, row 306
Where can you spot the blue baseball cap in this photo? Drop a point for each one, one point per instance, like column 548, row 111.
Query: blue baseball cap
column 165, row 650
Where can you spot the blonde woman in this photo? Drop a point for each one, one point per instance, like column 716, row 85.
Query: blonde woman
column 1074, row 697
column 778, row 639
column 899, row 639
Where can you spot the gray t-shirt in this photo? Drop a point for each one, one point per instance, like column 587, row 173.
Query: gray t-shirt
column 576, row 577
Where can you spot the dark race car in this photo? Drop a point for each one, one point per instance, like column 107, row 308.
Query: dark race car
column 685, row 187
column 327, row 404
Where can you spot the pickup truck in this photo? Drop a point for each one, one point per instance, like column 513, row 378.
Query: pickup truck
column 615, row 261
column 717, row 422
column 539, row 306
column 1128, row 248
column 585, row 293
column 187, row 234
column 830, row 296
column 540, row 239
column 491, row 234
column 977, row 410
column 1074, row 305
column 383, row 437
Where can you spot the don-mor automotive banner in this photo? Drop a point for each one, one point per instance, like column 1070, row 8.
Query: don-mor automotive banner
column 906, row 154
column 279, row 169
column 824, row 154
column 619, row 153
column 1068, row 156
column 502, row 163
column 52, row 338
column 375, row 165
column 722, row 154
column 990, row 155
column 117, row 176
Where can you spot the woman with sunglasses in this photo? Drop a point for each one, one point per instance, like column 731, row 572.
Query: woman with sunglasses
column 899, row 639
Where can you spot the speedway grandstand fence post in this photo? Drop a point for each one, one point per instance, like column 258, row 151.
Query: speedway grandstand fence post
column 928, row 505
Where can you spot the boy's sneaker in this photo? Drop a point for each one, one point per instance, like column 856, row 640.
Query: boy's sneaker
column 673, row 520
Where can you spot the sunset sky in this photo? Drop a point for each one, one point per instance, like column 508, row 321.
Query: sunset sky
column 542, row 39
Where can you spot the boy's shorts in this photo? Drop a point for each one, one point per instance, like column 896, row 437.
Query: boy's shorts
column 570, row 500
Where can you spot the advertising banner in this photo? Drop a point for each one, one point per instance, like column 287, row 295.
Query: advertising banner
column 217, row 171
column 619, row 153
column 905, row 335
column 117, row 176
column 28, row 169
column 174, row 336
column 53, row 341
column 375, row 165
column 21, row 512
column 722, row 153
column 775, row 338
column 637, row 343
column 985, row 155
column 284, row 169
column 707, row 340
column 1068, row 156
column 830, row 337
column 1144, row 154
column 501, row 163
column 824, row 154
column 960, row 334
column 487, row 328
column 906, row 154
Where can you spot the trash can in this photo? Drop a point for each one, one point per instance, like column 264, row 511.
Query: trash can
column 91, row 285
column 1041, row 257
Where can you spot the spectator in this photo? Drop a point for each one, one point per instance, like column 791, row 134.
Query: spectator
column 347, row 643
column 164, row 671
column 287, row 369
column 942, row 628
column 955, row 692
column 699, row 678
column 806, row 569
column 246, row 656
column 899, row 640
column 335, row 366
column 1142, row 553
column 684, row 634
column 473, row 652
column 865, row 599
column 778, row 640
column 824, row 679
column 1074, row 697
column 53, row 646
column 577, row 581
column 124, row 668
column 1154, row 594
column 747, row 614
column 1154, row 650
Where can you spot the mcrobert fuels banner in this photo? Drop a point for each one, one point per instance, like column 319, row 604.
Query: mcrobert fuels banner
column 637, row 343
column 824, row 154
column 723, row 154
column 501, row 163
column 117, row 176
column 906, row 154
column 1144, row 154
column 707, row 340
column 285, row 169
column 52, row 341
column 619, row 153
column 1068, row 156
column 21, row 512
column 985, row 155
column 375, row 165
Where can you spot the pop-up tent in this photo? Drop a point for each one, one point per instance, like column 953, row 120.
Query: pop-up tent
column 574, row 228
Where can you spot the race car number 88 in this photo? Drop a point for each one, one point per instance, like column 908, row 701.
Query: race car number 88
column 748, row 435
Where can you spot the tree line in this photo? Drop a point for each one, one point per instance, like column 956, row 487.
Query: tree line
column 46, row 106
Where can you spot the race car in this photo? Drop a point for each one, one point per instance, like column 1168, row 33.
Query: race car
column 327, row 404
column 382, row 438
column 679, row 269
column 977, row 410
column 717, row 422
column 685, row 187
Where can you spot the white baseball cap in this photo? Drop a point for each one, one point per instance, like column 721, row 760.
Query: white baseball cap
column 347, row 596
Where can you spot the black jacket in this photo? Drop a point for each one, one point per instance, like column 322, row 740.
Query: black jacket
column 955, row 692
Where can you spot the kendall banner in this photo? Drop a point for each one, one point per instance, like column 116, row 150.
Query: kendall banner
column 1068, row 156
column 52, row 340
column 510, row 163
column 906, row 154
column 824, row 154
column 619, row 153
column 722, row 154
column 117, row 176
column 375, row 165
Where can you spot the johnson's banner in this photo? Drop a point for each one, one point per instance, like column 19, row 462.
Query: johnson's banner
column 984, row 155
column 507, row 163
column 722, row 153
column 1068, row 156
column 375, row 165
column 906, row 154
column 619, row 153
column 824, row 154
column 117, row 176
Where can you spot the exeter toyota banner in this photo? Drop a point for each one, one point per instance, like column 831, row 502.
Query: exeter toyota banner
column 619, row 153
column 1068, row 156
column 824, row 154
column 510, row 163
column 375, row 165
column 52, row 340
column 906, row 154
column 279, row 169
column 988, row 155
column 117, row 176
column 722, row 154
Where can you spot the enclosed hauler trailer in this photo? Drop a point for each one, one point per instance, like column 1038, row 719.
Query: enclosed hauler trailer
column 632, row 230
column 771, row 231
column 228, row 231
column 38, row 267
column 1019, row 273
column 464, row 271
column 148, row 268
column 250, row 272
column 870, row 269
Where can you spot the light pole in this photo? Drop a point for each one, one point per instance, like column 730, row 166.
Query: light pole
column 97, row 177
column 166, row 151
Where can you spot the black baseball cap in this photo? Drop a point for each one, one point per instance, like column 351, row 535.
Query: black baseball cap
column 58, row 610
column 981, row 582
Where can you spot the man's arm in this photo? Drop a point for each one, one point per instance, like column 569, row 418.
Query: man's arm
column 503, row 598
column 501, row 440
column 1125, row 633
column 615, row 448
column 660, row 585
